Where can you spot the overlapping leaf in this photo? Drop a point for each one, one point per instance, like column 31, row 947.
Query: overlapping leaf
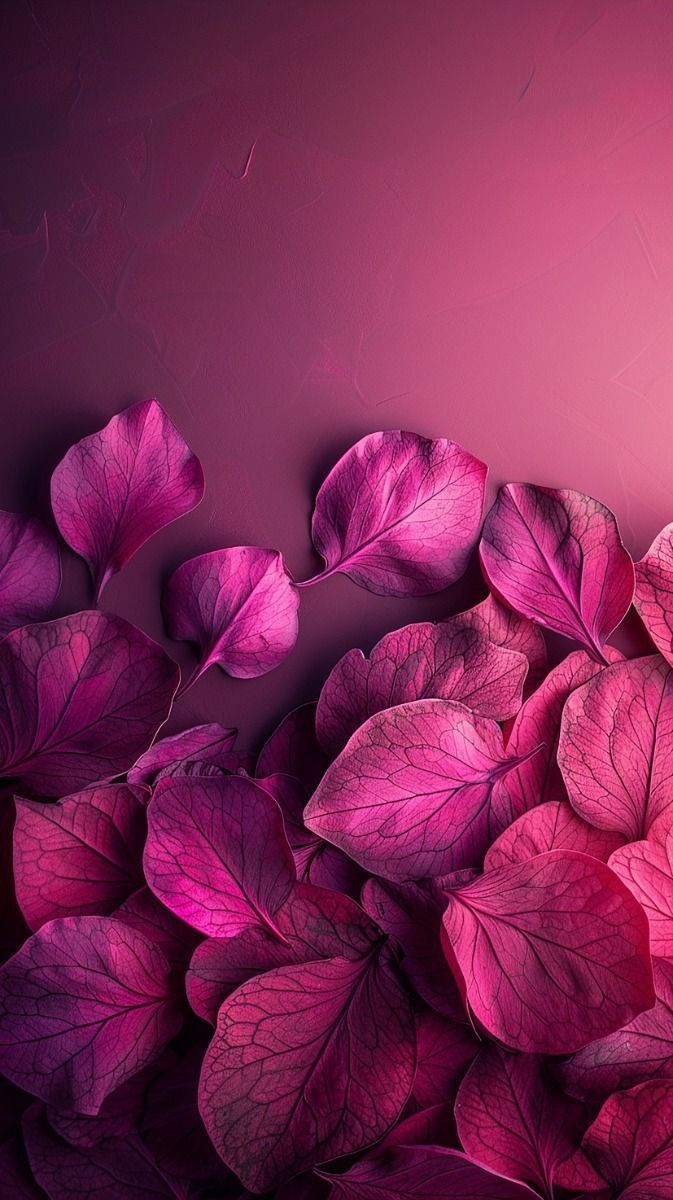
column 30, row 571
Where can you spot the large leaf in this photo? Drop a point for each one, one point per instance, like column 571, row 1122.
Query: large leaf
column 556, row 556
column 446, row 661
column 653, row 597
column 399, row 514
column 616, row 746
column 551, row 953
column 82, row 855
column 84, row 1004
column 30, row 571
column 115, row 489
column 217, row 854
column 409, row 796
column 551, row 826
column 631, row 1142
column 426, row 1173
column 91, row 691
column 238, row 606
column 275, row 1095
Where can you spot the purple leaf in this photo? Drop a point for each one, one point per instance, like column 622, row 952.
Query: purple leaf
column 116, row 1169
column 118, row 1116
column 422, row 661
column 653, row 597
column 631, row 1142
column 84, row 1004
column 313, row 923
column 556, row 556
column 115, row 489
column 16, row 1178
column 217, row 854
column 274, row 1095
column 409, row 796
column 552, row 952
column 508, row 629
column 538, row 779
column 412, row 914
column 646, row 869
column 176, row 940
column 399, row 514
column 513, row 1121
column 192, row 752
column 616, row 746
column 640, row 1051
column 426, row 1173
column 293, row 749
column 239, row 606
column 171, row 1127
column 92, row 690
column 444, row 1051
column 551, row 826
column 81, row 855
column 30, row 571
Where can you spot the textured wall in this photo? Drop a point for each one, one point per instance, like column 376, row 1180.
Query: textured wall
column 298, row 221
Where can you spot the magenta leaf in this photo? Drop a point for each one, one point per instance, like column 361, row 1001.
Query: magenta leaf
column 205, row 749
column 508, row 629
column 653, row 597
column 293, row 749
column 238, row 606
column 433, row 1126
column 426, row 1172
column 511, row 1119
column 30, row 571
column 556, row 556
column 616, row 746
column 409, row 796
column 552, row 952
column 444, row 1051
column 646, row 869
column 176, row 940
column 631, row 1142
column 313, row 923
column 538, row 778
column 412, row 914
column 551, row 826
column 92, row 691
column 444, row 661
column 84, row 1004
column 113, row 490
column 399, row 514
column 217, row 854
column 639, row 1051
column 119, row 1113
column 115, row 1169
column 274, row 1095
column 82, row 855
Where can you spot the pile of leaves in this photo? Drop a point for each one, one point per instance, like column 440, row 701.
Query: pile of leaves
column 423, row 944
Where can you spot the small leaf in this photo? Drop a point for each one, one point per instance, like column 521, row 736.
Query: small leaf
column 205, row 749
column 653, row 598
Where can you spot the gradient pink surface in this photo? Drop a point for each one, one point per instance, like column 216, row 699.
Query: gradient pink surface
column 295, row 223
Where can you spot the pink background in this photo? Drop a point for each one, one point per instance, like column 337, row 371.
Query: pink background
column 295, row 222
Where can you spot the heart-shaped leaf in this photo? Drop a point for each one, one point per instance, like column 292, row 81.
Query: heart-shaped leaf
column 115, row 489
column 556, row 556
column 30, row 571
column 399, row 514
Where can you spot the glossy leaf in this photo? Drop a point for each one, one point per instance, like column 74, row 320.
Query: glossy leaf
column 113, row 490
column 399, row 514
column 556, row 556
column 30, row 571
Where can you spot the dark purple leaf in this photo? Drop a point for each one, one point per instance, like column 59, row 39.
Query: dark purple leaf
column 30, row 571
column 426, row 1173
column 445, row 1049
column 294, row 749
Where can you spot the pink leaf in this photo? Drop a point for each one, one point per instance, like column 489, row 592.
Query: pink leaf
column 84, row 1004
column 551, row 826
column 409, row 796
column 444, row 1051
column 274, row 1095
column 293, row 749
column 238, row 606
column 313, row 923
column 631, row 1142
column 616, row 745
column 646, row 869
column 82, row 855
column 556, row 556
column 92, row 691
column 654, row 592
column 200, row 750
column 513, row 1121
column 217, row 854
column 639, row 1051
column 426, row 1173
column 115, row 489
column 552, row 952
column 414, row 663
column 30, row 571
column 508, row 629
column 399, row 514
